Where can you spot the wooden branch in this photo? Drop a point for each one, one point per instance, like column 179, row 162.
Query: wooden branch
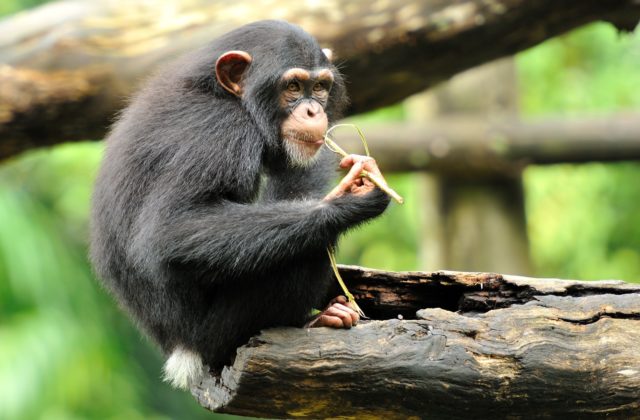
column 482, row 345
column 74, row 62
column 472, row 147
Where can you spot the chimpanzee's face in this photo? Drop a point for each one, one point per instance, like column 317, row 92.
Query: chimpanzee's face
column 303, row 97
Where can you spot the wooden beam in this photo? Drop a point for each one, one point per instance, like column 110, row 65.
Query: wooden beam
column 387, row 50
column 468, row 146
column 481, row 345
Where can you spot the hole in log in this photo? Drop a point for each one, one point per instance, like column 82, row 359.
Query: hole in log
column 383, row 298
column 386, row 295
column 380, row 305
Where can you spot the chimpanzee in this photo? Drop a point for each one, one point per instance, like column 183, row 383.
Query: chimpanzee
column 211, row 216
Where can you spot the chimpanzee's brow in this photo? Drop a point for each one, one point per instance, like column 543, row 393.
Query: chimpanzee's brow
column 302, row 74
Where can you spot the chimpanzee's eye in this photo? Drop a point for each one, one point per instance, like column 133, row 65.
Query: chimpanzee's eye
column 294, row 86
column 318, row 87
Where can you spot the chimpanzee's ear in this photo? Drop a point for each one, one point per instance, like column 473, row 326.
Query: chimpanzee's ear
column 230, row 68
column 328, row 53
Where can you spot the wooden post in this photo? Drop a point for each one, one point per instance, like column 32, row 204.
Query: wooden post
column 481, row 223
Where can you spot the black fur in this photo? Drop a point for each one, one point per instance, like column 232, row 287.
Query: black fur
column 200, row 227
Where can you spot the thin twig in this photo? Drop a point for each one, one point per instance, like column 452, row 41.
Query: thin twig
column 349, row 296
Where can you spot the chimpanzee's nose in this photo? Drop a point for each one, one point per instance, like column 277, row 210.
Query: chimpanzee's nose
column 313, row 109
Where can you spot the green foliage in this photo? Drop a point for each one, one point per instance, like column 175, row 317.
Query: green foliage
column 583, row 219
column 67, row 351
column 591, row 70
column 389, row 242
column 11, row 6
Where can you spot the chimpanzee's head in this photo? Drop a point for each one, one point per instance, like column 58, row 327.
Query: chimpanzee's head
column 287, row 83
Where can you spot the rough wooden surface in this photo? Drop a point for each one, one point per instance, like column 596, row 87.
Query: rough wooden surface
column 481, row 345
column 98, row 51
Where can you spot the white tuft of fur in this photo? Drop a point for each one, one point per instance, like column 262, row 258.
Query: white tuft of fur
column 183, row 368
column 301, row 155
column 328, row 53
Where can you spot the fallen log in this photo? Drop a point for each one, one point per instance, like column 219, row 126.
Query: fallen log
column 448, row 345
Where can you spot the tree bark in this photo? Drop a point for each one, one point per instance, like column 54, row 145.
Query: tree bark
column 72, row 63
column 480, row 346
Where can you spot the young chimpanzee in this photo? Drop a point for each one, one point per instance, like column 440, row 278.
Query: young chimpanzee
column 210, row 213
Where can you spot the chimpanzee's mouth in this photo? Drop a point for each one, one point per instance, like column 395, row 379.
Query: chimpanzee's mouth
column 309, row 142
column 304, row 138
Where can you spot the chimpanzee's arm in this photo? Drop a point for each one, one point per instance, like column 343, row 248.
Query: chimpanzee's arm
column 235, row 239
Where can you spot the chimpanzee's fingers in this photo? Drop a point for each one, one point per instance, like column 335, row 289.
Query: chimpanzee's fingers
column 338, row 299
column 374, row 173
column 346, row 308
column 326, row 321
column 353, row 174
column 351, row 159
column 334, row 310
column 346, row 161
column 355, row 316
column 371, row 166
column 345, row 184
column 368, row 163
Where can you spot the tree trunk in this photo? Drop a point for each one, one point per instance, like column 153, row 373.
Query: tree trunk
column 481, row 346
column 69, row 65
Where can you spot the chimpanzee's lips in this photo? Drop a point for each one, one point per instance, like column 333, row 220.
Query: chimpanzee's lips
column 314, row 142
column 304, row 139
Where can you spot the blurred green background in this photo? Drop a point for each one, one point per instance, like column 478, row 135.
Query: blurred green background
column 67, row 352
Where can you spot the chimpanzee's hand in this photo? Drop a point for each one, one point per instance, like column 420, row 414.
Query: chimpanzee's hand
column 338, row 314
column 353, row 183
